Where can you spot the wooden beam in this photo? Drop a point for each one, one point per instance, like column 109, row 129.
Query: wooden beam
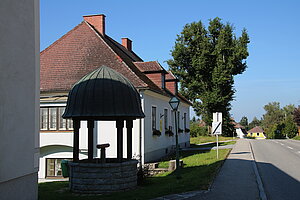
column 90, row 126
column 76, row 125
column 129, row 126
column 120, row 126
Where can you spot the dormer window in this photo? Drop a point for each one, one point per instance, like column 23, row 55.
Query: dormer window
column 163, row 81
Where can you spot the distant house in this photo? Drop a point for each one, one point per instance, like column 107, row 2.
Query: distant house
column 240, row 130
column 256, row 132
column 81, row 51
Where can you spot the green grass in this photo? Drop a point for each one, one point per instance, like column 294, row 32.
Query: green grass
column 205, row 139
column 296, row 138
column 212, row 144
column 199, row 170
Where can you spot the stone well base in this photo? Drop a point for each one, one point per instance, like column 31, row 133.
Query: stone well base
column 101, row 178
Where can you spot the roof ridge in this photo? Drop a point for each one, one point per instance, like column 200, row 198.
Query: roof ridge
column 102, row 38
column 122, row 49
column 62, row 37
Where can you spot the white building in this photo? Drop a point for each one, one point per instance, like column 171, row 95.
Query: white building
column 79, row 52
column 240, row 130
column 19, row 99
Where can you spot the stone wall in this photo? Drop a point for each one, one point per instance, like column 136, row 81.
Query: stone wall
column 103, row 178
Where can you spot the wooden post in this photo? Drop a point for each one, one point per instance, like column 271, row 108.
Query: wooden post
column 90, row 127
column 76, row 125
column 129, row 126
column 120, row 126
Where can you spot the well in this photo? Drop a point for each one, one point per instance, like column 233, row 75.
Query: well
column 103, row 95
column 103, row 177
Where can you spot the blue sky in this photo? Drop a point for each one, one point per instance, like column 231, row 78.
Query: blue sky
column 273, row 26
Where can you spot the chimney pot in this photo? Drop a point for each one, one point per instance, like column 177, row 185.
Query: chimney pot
column 97, row 21
column 127, row 43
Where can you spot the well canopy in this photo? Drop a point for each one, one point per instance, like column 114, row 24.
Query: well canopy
column 104, row 94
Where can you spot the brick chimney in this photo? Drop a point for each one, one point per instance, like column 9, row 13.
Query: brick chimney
column 97, row 21
column 127, row 43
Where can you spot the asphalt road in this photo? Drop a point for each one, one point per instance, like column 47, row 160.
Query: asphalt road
column 278, row 163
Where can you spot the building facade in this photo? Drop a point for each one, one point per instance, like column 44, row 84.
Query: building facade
column 79, row 52
column 19, row 99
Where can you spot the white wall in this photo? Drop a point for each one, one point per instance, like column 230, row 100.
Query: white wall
column 55, row 151
column 152, row 147
column 107, row 133
column 19, row 107
column 60, row 145
column 239, row 133
column 155, row 146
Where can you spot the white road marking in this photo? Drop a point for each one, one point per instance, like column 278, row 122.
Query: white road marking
column 276, row 142
column 281, row 144
column 298, row 151
column 289, row 147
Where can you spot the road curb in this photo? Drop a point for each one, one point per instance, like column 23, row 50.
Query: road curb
column 262, row 193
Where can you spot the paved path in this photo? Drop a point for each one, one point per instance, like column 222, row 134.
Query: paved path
column 236, row 180
column 278, row 163
column 44, row 180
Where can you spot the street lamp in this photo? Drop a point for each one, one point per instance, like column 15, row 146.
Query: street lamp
column 174, row 103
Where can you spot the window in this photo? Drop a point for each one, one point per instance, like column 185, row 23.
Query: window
column 153, row 118
column 44, row 119
column 179, row 127
column 166, row 119
column 172, row 120
column 51, row 119
column 163, row 80
column 184, row 121
column 62, row 122
column 53, row 167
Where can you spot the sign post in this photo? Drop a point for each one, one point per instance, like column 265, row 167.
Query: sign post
column 217, row 128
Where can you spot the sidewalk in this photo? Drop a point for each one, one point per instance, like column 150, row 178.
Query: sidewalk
column 236, row 179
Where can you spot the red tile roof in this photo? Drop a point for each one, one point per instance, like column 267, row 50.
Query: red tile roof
column 256, row 129
column 237, row 125
column 170, row 76
column 151, row 66
column 83, row 50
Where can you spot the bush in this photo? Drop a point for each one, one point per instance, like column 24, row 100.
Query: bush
column 196, row 130
column 296, row 138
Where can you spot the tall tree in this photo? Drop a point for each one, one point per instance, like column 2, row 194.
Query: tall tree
column 244, row 122
column 288, row 110
column 205, row 61
column 290, row 129
column 296, row 115
column 274, row 115
column 254, row 122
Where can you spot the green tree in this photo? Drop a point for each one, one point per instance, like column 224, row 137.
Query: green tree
column 197, row 130
column 273, row 115
column 296, row 115
column 255, row 122
column 275, row 131
column 288, row 110
column 244, row 122
column 290, row 128
column 205, row 61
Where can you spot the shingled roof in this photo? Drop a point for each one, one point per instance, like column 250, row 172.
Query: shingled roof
column 84, row 49
column 151, row 66
column 81, row 51
column 256, row 129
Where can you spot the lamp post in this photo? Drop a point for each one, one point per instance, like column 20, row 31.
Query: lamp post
column 174, row 103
